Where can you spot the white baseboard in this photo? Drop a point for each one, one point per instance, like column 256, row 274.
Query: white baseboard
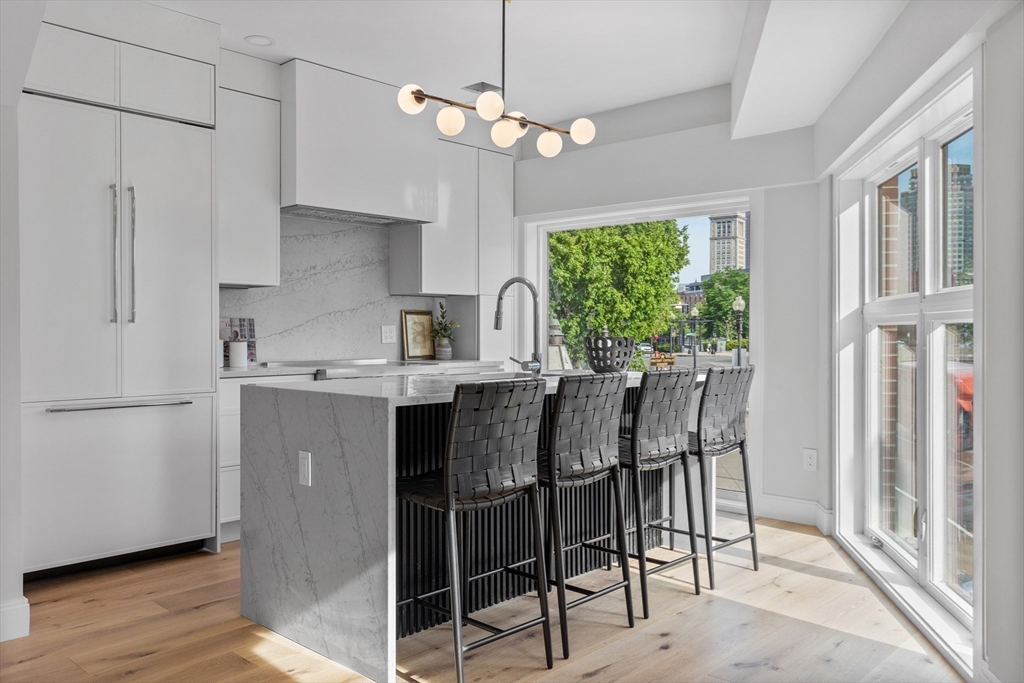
column 230, row 531
column 14, row 619
column 825, row 520
column 787, row 509
column 982, row 672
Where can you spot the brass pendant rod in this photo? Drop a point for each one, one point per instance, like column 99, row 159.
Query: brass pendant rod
column 545, row 126
column 419, row 94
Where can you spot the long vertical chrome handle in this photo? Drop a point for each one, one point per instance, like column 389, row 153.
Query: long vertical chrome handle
column 132, row 191
column 113, row 265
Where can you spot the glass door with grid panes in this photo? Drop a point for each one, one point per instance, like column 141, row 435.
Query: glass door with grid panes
column 920, row 362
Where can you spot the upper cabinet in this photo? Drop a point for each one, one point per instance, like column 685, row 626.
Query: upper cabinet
column 248, row 189
column 81, row 66
column 468, row 250
column 346, row 148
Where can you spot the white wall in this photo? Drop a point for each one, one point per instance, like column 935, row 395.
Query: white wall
column 792, row 382
column 689, row 162
column 19, row 26
column 1002, row 295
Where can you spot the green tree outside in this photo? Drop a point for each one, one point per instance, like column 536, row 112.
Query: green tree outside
column 720, row 289
column 623, row 277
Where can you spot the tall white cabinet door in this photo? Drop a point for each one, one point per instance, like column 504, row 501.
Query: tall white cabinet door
column 248, row 189
column 167, row 175
column 495, row 253
column 69, row 276
column 448, row 248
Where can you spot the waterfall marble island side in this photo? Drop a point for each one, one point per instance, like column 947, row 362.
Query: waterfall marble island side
column 324, row 565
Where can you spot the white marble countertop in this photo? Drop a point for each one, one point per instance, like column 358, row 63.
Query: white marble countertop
column 361, row 370
column 415, row 389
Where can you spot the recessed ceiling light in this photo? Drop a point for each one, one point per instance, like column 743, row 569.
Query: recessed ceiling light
column 260, row 41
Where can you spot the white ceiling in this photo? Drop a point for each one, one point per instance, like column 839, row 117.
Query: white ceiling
column 564, row 58
column 806, row 52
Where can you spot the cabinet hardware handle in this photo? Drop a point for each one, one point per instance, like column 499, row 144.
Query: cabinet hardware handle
column 132, row 191
column 119, row 406
column 113, row 266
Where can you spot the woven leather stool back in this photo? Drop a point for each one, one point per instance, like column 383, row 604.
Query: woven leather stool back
column 585, row 426
column 492, row 437
column 661, row 413
column 722, row 420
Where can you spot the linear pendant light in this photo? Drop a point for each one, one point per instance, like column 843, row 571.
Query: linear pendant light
column 490, row 106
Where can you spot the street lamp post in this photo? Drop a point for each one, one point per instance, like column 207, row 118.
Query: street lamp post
column 738, row 304
column 695, row 320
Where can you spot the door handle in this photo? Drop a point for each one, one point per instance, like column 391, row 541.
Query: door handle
column 113, row 265
column 118, row 406
column 131, row 190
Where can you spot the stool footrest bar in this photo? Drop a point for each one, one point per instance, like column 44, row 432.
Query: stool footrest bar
column 502, row 633
column 593, row 594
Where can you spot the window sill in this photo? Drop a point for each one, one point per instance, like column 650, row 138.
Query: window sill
column 953, row 640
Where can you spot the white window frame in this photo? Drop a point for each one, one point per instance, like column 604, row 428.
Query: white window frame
column 853, row 250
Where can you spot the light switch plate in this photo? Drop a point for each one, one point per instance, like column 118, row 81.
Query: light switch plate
column 811, row 459
column 388, row 334
column 305, row 468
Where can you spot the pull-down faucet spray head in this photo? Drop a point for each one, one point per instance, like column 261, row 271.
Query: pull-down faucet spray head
column 497, row 314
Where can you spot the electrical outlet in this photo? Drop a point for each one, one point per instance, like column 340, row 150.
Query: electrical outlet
column 811, row 459
column 388, row 334
column 305, row 468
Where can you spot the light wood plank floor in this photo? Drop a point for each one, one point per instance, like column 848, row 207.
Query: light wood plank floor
column 809, row 614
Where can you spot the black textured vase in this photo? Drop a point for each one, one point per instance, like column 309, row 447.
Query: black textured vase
column 609, row 354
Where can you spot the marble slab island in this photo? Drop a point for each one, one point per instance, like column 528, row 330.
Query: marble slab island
column 327, row 565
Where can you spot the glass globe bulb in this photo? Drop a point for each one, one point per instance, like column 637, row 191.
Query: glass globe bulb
column 549, row 143
column 489, row 105
column 503, row 133
column 407, row 99
column 521, row 127
column 451, row 120
column 582, row 131
column 738, row 304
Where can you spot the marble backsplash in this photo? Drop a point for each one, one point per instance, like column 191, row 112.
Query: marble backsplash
column 333, row 296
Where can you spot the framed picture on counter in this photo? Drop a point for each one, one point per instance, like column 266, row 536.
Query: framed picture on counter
column 417, row 335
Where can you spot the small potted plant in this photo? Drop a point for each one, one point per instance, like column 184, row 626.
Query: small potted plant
column 443, row 332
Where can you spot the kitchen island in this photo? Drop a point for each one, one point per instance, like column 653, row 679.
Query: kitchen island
column 327, row 564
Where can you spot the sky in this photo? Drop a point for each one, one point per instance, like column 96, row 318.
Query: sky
column 700, row 248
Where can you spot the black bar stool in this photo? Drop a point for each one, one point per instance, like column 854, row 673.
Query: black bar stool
column 490, row 459
column 721, row 429
column 583, row 450
column 657, row 440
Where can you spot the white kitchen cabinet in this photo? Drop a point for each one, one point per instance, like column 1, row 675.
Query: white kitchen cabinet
column 248, row 190
column 494, row 258
column 229, row 447
column 73, row 64
column 104, row 482
column 82, row 66
column 346, row 146
column 166, row 85
column 440, row 258
column 70, row 313
column 476, row 338
column 169, row 288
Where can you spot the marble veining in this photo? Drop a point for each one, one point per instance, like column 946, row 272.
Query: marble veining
column 316, row 561
column 333, row 296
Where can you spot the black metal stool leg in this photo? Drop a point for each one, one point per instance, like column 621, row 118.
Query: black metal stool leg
column 620, row 520
column 554, row 520
column 462, row 524
column 542, row 578
column 705, row 500
column 641, row 551
column 454, row 586
column 750, row 502
column 690, row 525
column 672, row 505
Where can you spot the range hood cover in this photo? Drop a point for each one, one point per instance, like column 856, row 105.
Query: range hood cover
column 337, row 216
